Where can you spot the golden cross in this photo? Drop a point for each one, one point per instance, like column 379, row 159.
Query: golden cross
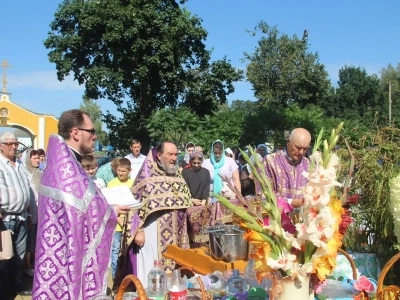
column 5, row 65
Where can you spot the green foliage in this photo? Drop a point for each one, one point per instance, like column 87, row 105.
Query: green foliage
column 178, row 125
column 182, row 125
column 94, row 110
column 358, row 95
column 377, row 162
column 391, row 74
column 142, row 55
column 207, row 89
column 282, row 71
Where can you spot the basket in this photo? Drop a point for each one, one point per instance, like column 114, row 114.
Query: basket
column 124, row 284
column 361, row 295
column 200, row 293
column 391, row 292
column 351, row 261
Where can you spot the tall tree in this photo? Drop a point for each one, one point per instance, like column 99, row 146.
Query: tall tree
column 283, row 71
column 94, row 110
column 176, row 125
column 391, row 75
column 358, row 95
column 139, row 54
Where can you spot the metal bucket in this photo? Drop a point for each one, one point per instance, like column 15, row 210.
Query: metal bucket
column 227, row 243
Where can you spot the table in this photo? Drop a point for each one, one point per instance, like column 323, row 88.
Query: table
column 200, row 261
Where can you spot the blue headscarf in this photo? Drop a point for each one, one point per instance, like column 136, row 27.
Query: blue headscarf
column 217, row 165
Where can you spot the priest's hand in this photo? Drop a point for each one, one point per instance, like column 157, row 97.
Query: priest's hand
column 140, row 238
column 197, row 202
column 121, row 209
column 297, row 202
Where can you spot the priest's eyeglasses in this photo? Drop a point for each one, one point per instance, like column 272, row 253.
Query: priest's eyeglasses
column 91, row 131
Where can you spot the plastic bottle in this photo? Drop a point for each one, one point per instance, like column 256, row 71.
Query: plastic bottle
column 156, row 284
column 177, row 289
column 236, row 284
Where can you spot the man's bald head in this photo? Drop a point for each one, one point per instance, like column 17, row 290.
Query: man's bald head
column 298, row 143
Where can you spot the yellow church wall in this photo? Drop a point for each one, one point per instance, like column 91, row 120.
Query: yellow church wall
column 41, row 126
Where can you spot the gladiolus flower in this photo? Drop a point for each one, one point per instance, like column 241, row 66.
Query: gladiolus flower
column 254, row 236
column 284, row 261
column 324, row 266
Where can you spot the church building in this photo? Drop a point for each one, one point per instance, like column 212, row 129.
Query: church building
column 32, row 129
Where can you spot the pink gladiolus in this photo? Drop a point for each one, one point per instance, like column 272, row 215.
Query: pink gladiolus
column 286, row 208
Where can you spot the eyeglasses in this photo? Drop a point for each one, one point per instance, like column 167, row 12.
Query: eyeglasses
column 91, row 131
column 11, row 144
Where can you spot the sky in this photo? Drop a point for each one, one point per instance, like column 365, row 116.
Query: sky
column 358, row 33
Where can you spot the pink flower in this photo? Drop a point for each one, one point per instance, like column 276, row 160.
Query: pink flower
column 286, row 222
column 318, row 286
column 363, row 284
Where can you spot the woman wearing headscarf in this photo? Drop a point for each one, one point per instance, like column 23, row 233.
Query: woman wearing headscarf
column 197, row 178
column 220, row 166
column 262, row 150
column 189, row 148
column 31, row 160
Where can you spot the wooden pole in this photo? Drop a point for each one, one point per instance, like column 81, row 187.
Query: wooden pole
column 390, row 103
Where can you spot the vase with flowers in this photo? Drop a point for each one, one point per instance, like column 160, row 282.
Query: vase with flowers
column 293, row 249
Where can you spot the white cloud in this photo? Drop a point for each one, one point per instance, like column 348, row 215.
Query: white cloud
column 42, row 80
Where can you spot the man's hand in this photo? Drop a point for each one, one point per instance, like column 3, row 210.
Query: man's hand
column 297, row 202
column 121, row 209
column 197, row 202
column 140, row 238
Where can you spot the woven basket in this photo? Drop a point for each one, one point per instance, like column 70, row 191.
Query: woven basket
column 200, row 293
column 351, row 261
column 391, row 292
column 124, row 284
column 361, row 295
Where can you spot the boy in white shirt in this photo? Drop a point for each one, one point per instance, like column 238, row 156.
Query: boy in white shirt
column 89, row 164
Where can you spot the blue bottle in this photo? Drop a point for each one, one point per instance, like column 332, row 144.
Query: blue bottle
column 236, row 284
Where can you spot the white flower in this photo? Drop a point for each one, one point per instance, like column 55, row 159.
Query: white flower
column 301, row 271
column 284, row 261
column 395, row 205
column 316, row 194
column 334, row 162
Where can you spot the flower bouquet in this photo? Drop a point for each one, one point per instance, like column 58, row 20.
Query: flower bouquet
column 295, row 250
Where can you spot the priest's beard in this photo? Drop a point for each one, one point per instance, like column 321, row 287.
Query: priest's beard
column 169, row 168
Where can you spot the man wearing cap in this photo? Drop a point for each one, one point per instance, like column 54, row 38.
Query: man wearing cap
column 15, row 196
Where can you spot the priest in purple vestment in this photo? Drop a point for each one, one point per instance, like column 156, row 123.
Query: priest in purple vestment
column 285, row 167
column 161, row 220
column 75, row 223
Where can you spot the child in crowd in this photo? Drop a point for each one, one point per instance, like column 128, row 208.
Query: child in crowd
column 89, row 164
column 42, row 159
column 123, row 169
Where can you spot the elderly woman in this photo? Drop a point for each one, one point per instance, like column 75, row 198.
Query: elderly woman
column 31, row 160
column 197, row 178
column 220, row 166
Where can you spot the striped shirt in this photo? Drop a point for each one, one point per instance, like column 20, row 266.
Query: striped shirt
column 15, row 191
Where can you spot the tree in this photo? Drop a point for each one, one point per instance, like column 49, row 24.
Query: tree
column 358, row 95
column 282, row 71
column 392, row 75
column 208, row 89
column 94, row 110
column 173, row 125
column 142, row 55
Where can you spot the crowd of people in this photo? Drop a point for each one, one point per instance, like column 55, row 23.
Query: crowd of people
column 58, row 204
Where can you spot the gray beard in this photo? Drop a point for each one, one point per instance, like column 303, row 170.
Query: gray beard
column 169, row 169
